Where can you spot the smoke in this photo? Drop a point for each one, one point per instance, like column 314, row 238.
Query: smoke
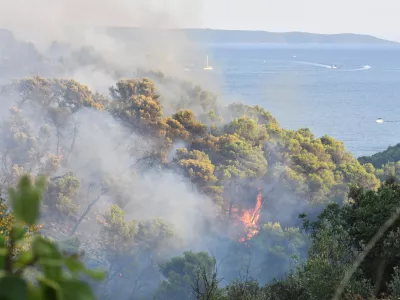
column 72, row 39
column 144, row 196
column 90, row 41
column 71, row 21
column 107, row 40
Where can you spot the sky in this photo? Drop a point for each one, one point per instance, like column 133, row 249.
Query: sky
column 319, row 16
column 379, row 18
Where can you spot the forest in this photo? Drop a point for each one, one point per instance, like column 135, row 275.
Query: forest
column 155, row 188
column 188, row 199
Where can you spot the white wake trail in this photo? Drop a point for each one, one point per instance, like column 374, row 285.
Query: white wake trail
column 315, row 64
column 364, row 68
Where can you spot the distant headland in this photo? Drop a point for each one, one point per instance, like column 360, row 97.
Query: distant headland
column 245, row 36
column 222, row 36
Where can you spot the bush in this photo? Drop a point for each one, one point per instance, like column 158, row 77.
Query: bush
column 41, row 270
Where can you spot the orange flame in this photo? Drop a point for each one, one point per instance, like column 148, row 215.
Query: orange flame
column 250, row 219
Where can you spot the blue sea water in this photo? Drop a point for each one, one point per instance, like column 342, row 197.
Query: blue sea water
column 297, row 85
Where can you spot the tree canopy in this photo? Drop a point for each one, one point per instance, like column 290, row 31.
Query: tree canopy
column 244, row 181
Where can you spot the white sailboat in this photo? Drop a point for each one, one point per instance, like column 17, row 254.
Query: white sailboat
column 208, row 67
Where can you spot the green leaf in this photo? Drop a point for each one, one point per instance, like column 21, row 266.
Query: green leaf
column 49, row 282
column 44, row 248
column 52, row 271
column 25, row 200
column 2, row 241
column 12, row 288
column 95, row 274
column 50, row 258
column 18, row 232
column 50, row 262
column 74, row 265
column 3, row 253
column 34, row 293
column 76, row 290
column 23, row 259
column 49, row 288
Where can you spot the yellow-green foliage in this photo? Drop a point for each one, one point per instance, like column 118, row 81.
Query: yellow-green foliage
column 248, row 144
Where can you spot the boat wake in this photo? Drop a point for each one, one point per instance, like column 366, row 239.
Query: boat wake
column 364, row 68
column 317, row 65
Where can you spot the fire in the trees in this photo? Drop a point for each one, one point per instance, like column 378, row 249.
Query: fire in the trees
column 250, row 219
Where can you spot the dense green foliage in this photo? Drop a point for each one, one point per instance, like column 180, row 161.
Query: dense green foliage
column 254, row 176
column 385, row 164
column 391, row 154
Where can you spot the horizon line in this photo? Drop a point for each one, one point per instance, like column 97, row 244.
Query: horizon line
column 256, row 30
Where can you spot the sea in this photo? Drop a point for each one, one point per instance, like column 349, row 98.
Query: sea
column 338, row 90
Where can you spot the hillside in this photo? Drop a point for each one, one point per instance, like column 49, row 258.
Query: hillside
column 136, row 178
column 149, row 168
column 391, row 154
column 244, row 36
column 383, row 164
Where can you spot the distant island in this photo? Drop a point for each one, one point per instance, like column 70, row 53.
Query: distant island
column 245, row 36
column 219, row 36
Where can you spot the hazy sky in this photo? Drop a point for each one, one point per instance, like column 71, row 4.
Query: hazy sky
column 381, row 18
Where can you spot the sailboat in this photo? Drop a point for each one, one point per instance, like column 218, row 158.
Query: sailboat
column 208, row 68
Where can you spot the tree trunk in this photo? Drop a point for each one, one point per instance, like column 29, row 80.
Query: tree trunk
column 382, row 263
